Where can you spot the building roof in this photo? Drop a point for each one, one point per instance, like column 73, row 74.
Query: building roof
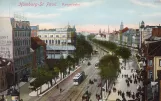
column 36, row 42
column 154, row 48
column 68, row 47
column 125, row 29
column 34, row 27
column 156, row 32
column 147, row 26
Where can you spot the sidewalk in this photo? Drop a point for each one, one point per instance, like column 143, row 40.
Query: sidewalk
column 21, row 84
column 45, row 86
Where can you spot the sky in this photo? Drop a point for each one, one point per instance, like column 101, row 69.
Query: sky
column 86, row 15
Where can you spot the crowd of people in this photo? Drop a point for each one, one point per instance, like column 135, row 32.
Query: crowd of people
column 133, row 78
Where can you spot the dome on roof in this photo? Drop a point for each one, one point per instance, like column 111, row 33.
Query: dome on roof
column 68, row 26
column 142, row 23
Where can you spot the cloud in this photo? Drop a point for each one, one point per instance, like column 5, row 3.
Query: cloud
column 41, row 16
column 74, row 6
column 144, row 3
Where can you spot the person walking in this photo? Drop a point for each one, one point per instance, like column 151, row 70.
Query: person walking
column 60, row 90
column 57, row 86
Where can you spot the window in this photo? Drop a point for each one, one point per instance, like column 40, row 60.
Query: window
column 40, row 36
column 64, row 36
column 15, row 33
column 53, row 41
column 45, row 35
column 49, row 41
column 150, row 62
column 160, row 62
column 57, row 36
column 46, row 41
column 58, row 41
column 51, row 35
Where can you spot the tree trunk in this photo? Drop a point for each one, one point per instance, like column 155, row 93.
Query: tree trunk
column 37, row 92
column 48, row 85
column 55, row 80
column 125, row 62
column 40, row 89
column 101, row 88
column 106, row 85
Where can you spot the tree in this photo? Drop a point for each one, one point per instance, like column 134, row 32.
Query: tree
column 123, row 52
column 109, row 67
column 70, row 61
column 62, row 65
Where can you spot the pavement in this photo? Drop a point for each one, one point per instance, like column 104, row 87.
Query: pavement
column 121, row 84
column 28, row 95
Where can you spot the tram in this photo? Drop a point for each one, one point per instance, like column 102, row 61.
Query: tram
column 78, row 78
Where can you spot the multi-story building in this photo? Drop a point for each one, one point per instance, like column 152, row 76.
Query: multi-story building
column 151, row 52
column 39, row 54
column 15, row 43
column 62, row 36
column 59, row 40
column 145, row 32
column 34, row 30
column 136, row 39
column 6, row 74
column 122, row 39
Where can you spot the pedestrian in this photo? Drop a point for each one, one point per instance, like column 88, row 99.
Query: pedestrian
column 60, row 90
column 57, row 86
column 109, row 92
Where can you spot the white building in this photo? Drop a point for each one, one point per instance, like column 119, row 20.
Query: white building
column 136, row 39
column 56, row 39
column 15, row 43
column 146, row 32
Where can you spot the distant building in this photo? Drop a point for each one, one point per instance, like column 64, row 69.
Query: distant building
column 121, row 26
column 146, row 32
column 39, row 54
column 15, row 43
column 6, row 74
column 62, row 36
column 34, row 30
column 136, row 39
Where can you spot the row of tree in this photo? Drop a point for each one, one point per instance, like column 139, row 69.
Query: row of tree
column 46, row 75
column 109, row 65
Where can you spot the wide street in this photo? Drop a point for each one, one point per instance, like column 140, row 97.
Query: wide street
column 69, row 91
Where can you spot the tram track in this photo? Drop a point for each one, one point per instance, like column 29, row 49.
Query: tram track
column 75, row 92
column 84, row 88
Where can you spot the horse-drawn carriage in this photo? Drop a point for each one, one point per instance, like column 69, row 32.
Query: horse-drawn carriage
column 86, row 96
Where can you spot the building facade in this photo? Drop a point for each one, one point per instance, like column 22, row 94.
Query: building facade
column 157, row 66
column 136, row 39
column 39, row 54
column 146, row 32
column 15, row 45
column 62, row 36
column 6, row 74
